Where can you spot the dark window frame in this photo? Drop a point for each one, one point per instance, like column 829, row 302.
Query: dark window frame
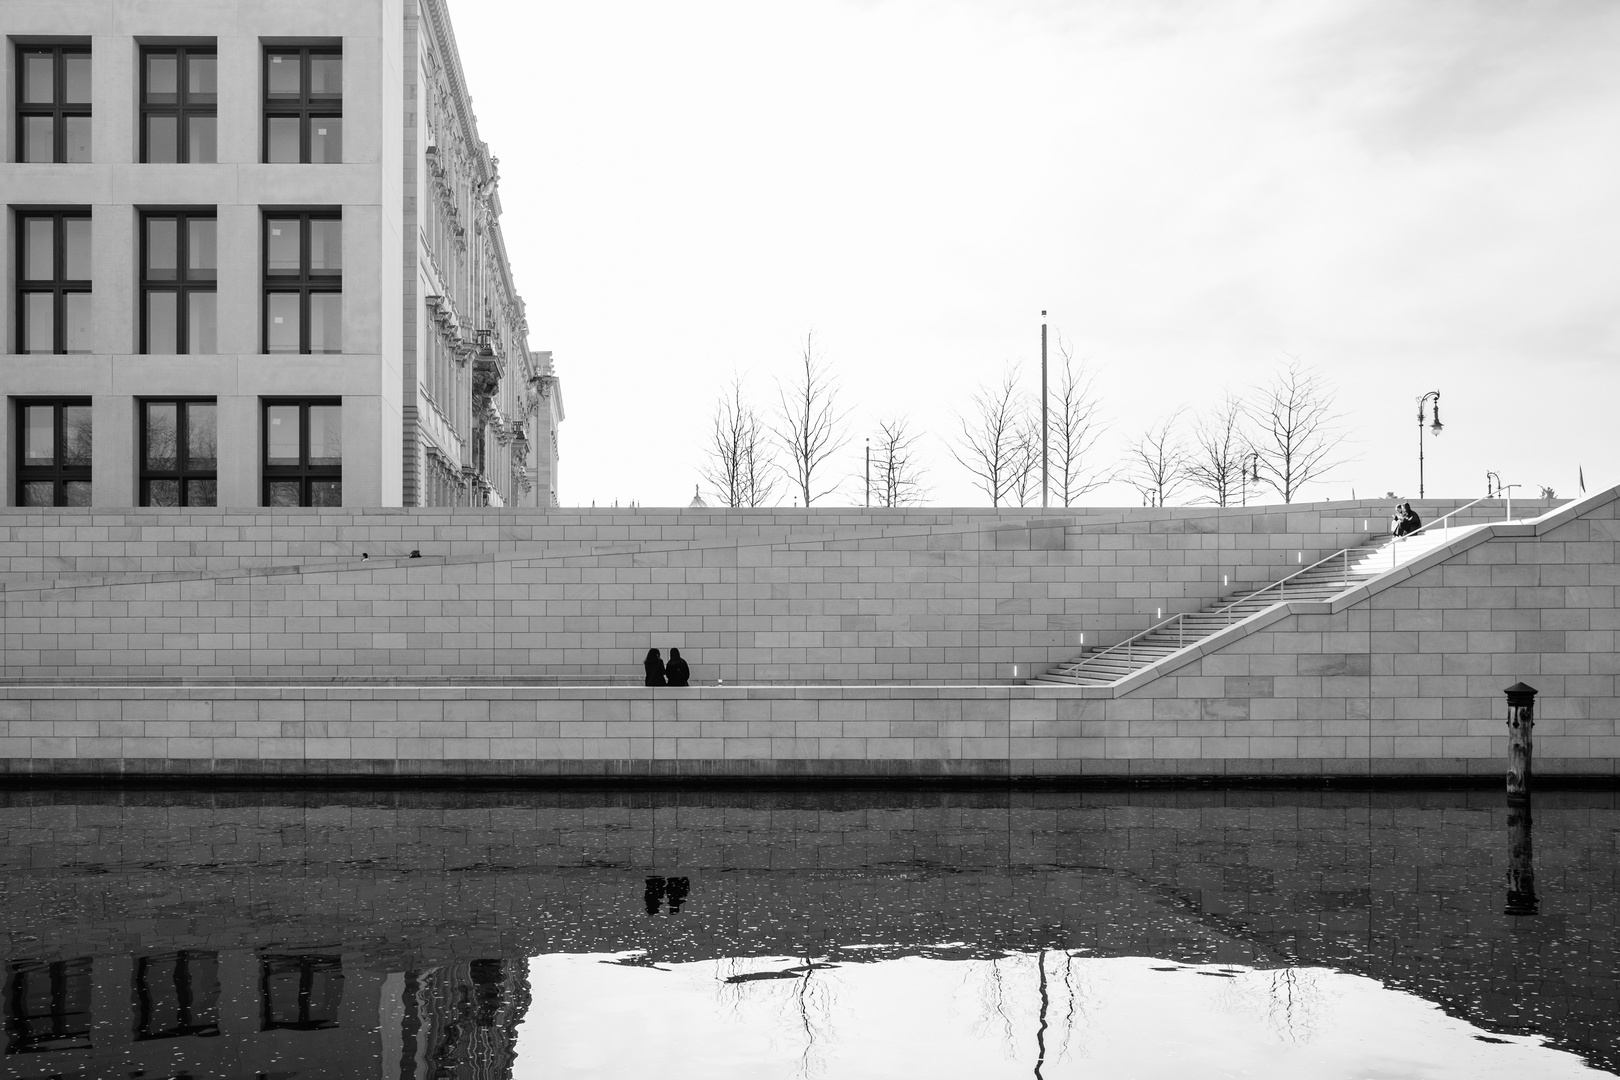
column 182, row 285
column 67, row 1030
column 304, row 283
column 59, row 472
column 182, row 441
column 190, row 1022
column 303, row 106
column 59, row 108
column 58, row 286
column 183, row 109
column 307, row 968
column 303, row 472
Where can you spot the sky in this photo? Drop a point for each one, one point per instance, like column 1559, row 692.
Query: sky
column 1403, row 197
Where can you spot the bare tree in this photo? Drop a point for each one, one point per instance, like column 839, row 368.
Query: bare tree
column 990, row 447
column 740, row 470
column 897, row 476
column 810, row 427
column 1297, row 434
column 1075, row 423
column 1026, row 475
column 1220, row 451
column 1158, row 462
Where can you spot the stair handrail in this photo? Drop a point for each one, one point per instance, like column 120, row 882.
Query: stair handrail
column 1454, row 513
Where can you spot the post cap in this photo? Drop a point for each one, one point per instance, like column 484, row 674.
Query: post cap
column 1520, row 694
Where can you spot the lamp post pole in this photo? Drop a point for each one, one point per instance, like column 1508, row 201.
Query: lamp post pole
column 1045, row 428
column 869, row 474
column 1422, row 418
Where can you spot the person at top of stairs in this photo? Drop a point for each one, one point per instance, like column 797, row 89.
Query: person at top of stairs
column 1406, row 520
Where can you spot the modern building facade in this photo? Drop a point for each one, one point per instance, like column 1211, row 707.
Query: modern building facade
column 253, row 257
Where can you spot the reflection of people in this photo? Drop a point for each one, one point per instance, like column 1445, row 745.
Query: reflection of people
column 1406, row 520
column 654, row 665
column 676, row 888
column 678, row 672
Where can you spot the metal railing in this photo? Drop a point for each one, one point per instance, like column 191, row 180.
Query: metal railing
column 1281, row 585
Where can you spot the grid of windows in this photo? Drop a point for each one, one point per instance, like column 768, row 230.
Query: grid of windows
column 179, row 453
column 303, row 104
column 48, row 1005
column 179, row 104
column 303, row 452
column 178, row 994
column 179, row 271
column 53, row 103
column 53, row 452
column 53, row 282
column 301, row 992
column 303, row 283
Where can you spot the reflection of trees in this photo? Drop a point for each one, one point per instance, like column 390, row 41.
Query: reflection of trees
column 803, row 995
column 1290, row 1000
column 1040, row 993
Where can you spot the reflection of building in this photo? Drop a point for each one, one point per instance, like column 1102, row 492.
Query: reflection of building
column 254, row 258
column 242, row 1013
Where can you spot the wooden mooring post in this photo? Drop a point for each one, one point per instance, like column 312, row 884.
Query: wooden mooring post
column 1521, row 701
column 1521, row 875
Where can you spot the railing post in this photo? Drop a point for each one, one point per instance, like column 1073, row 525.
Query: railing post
column 1521, row 718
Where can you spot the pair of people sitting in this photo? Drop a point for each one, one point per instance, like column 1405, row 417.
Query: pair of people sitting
column 1405, row 520
column 676, row 673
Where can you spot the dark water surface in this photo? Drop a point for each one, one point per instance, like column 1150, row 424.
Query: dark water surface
column 298, row 934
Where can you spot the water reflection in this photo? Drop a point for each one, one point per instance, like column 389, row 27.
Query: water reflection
column 404, row 934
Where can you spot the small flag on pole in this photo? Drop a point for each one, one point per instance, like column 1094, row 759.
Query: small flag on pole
column 1582, row 472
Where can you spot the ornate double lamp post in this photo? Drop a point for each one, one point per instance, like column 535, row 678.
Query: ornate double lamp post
column 1436, row 427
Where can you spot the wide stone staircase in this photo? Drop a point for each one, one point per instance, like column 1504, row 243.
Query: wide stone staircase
column 1107, row 665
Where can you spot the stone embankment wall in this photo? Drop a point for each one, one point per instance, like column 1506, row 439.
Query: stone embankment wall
column 798, row 596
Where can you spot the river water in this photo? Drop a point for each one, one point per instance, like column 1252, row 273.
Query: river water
column 798, row 933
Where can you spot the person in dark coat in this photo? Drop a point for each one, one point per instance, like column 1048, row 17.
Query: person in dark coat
column 679, row 673
column 654, row 664
column 1407, row 520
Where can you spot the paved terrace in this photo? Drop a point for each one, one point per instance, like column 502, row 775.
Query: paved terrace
column 849, row 645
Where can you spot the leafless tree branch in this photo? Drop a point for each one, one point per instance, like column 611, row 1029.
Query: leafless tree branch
column 810, row 425
column 1297, row 431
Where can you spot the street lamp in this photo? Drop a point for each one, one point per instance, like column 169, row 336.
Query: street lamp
column 1251, row 471
column 1436, row 427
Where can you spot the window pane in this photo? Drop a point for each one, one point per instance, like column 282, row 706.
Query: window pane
column 162, row 248
column 325, row 493
column 162, row 322
column 325, row 435
column 76, row 329
column 39, row 133
column 76, row 436
column 162, row 78
column 39, row 78
column 162, row 435
column 202, row 318
column 281, row 442
column 325, row 246
column 201, row 436
column 283, row 493
column 39, row 435
column 326, row 140
column 78, row 78
column 76, row 138
column 281, row 323
column 162, row 493
column 76, row 249
column 203, row 135
column 326, row 322
column 202, row 263
column 162, row 140
column 325, row 75
column 202, row 493
column 38, row 493
column 202, row 78
column 282, row 142
column 283, row 70
column 39, row 261
column 39, row 323
column 281, row 246
column 75, row 493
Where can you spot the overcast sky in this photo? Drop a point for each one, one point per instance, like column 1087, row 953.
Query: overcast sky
column 1407, row 197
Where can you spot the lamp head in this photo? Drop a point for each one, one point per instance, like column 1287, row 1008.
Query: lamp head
column 1436, row 426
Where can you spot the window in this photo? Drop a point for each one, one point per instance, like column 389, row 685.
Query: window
column 179, row 104
column 303, row 104
column 53, row 452
column 179, row 268
column 303, row 283
column 53, row 103
column 303, row 453
column 48, row 1007
column 53, row 282
column 301, row 992
column 178, row 994
column 179, row 453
